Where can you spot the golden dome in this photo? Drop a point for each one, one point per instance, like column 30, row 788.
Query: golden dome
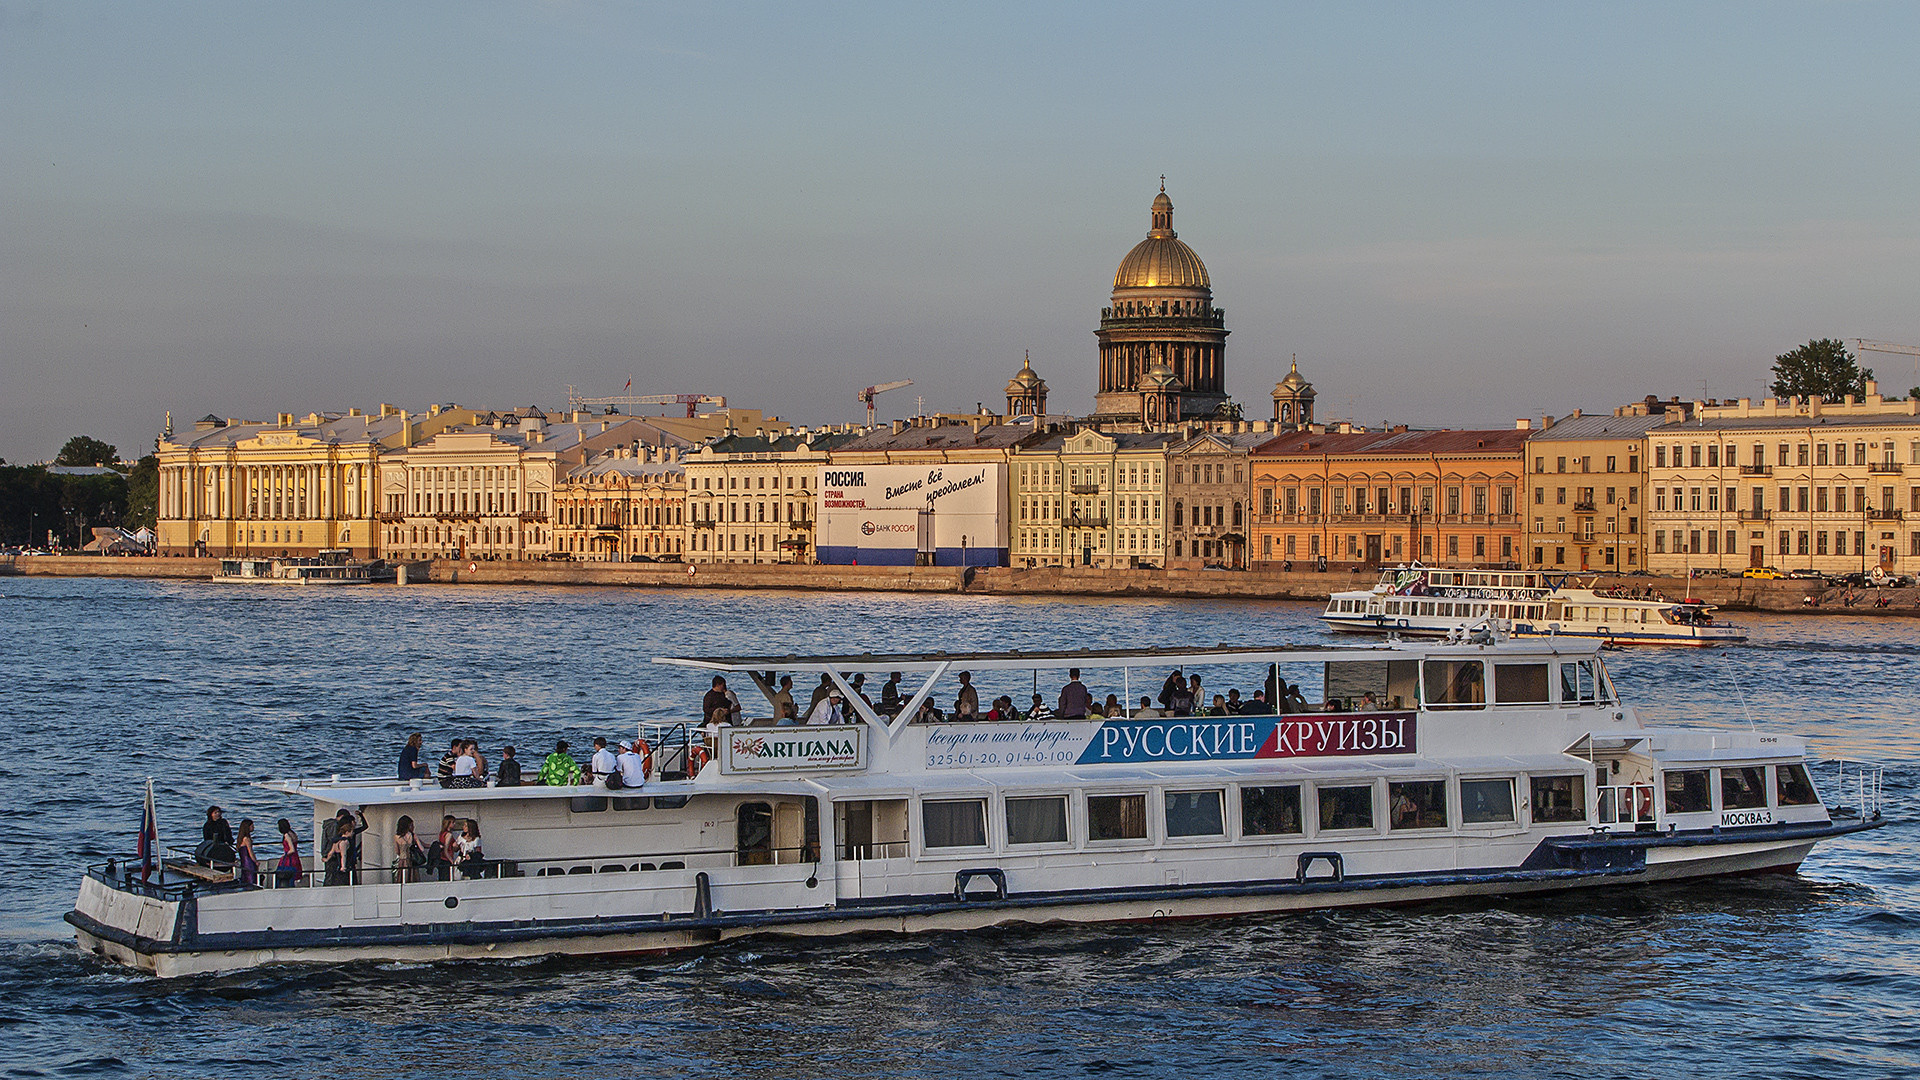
column 1026, row 378
column 1293, row 384
column 1161, row 260
column 1161, row 377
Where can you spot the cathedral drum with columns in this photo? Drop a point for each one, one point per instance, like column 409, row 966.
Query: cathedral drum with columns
column 1162, row 342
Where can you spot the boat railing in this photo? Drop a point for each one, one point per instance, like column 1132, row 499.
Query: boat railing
column 177, row 874
column 1625, row 804
column 1858, row 787
column 892, row 849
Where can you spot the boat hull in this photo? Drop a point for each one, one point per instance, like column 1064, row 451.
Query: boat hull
column 150, row 937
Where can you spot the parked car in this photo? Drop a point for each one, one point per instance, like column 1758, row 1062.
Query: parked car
column 1806, row 573
column 1856, row 580
column 1763, row 573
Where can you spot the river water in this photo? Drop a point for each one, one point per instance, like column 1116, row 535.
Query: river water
column 205, row 687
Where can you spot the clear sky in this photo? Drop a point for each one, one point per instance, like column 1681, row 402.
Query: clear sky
column 1455, row 214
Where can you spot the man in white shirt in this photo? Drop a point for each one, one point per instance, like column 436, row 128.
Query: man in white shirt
column 1146, row 709
column 828, row 711
column 633, row 767
column 602, row 763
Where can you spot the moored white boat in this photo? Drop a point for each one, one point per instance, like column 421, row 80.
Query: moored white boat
column 328, row 568
column 1473, row 768
column 1420, row 601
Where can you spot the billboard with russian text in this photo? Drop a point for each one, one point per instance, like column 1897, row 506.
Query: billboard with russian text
column 886, row 515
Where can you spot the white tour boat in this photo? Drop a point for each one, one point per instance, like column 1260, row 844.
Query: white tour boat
column 1471, row 768
column 1417, row 601
column 331, row 567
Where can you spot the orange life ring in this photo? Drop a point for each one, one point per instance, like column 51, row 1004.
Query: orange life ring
column 472, row 566
column 696, row 758
column 646, row 753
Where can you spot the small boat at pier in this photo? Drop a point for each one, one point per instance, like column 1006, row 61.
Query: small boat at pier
column 1479, row 767
column 332, row 567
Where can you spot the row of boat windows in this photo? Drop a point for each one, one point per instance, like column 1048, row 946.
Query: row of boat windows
column 1462, row 684
column 1451, row 609
column 1742, row 787
column 1263, row 811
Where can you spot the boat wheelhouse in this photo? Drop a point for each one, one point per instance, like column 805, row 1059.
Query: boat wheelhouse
column 1417, row 601
column 1423, row 771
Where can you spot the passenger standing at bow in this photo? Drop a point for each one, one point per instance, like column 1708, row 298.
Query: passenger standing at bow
column 966, row 706
column 716, row 698
column 1074, row 698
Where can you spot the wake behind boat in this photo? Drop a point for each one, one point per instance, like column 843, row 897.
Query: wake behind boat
column 1424, row 771
column 1418, row 601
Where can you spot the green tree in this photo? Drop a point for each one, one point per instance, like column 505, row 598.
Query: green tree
column 1824, row 367
column 143, row 494
column 86, row 450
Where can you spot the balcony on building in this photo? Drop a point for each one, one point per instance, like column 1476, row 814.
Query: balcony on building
column 1756, row 515
column 1085, row 489
column 1076, row 521
column 1892, row 467
column 1756, row 470
column 1885, row 515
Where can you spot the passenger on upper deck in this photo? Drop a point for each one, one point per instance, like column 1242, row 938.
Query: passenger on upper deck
column 1002, row 709
column 1113, row 706
column 1234, row 705
column 859, row 687
column 787, row 716
column 1146, row 709
column 1175, row 681
column 966, row 706
column 928, row 713
column 1258, row 706
column 1218, row 708
column 890, row 701
column 633, row 766
column 1369, row 703
column 716, row 698
column 410, row 765
column 509, row 770
column 466, row 767
column 1040, row 711
column 1180, row 700
column 601, row 764
column 829, row 711
column 782, row 699
column 1074, row 697
column 820, row 693
column 560, row 770
column 445, row 772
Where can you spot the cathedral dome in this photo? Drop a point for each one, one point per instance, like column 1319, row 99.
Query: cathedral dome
column 1161, row 260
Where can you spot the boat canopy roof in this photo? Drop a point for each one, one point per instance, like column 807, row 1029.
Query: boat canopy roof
column 1117, row 658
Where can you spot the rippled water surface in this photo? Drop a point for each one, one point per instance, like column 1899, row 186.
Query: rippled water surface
column 206, row 687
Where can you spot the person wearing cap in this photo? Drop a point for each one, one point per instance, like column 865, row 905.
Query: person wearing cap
column 966, row 706
column 831, row 710
column 633, row 767
column 560, row 770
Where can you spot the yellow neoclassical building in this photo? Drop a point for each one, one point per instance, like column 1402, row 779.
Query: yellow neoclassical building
column 295, row 486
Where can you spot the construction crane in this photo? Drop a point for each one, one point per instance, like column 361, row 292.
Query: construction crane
column 691, row 401
column 1861, row 345
column 866, row 396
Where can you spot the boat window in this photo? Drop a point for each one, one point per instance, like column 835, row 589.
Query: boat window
column 1041, row 820
column 1346, row 807
column 954, row 823
column 632, row 804
column 754, row 830
column 670, row 802
column 1577, row 685
column 1792, row 787
column 1687, row 792
column 1485, row 801
column 1743, row 788
column 1417, row 804
column 1455, row 684
column 1195, row 813
column 1116, row 817
column 1559, row 798
column 1520, row 684
column 1270, row 811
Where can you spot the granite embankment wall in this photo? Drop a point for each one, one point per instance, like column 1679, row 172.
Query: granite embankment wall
column 115, row 566
column 1736, row 594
